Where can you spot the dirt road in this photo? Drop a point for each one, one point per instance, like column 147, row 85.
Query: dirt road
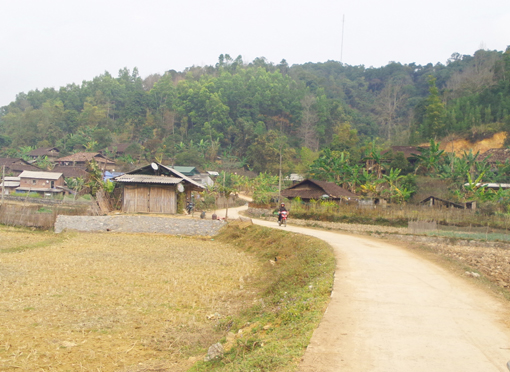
column 393, row 311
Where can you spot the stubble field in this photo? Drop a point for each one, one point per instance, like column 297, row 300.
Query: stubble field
column 115, row 302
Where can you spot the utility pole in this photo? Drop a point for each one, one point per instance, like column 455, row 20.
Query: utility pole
column 3, row 183
column 280, row 173
column 342, row 44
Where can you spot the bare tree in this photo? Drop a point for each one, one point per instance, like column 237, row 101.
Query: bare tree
column 149, row 81
column 388, row 103
column 478, row 75
column 309, row 121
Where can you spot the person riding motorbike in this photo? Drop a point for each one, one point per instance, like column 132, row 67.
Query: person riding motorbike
column 280, row 210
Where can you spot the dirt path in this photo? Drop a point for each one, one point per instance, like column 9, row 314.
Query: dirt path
column 394, row 311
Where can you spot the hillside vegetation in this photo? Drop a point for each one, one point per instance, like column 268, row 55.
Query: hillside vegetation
column 250, row 112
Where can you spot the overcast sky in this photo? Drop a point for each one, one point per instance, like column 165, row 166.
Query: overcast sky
column 51, row 43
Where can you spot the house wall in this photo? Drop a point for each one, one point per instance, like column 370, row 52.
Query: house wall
column 149, row 199
column 40, row 183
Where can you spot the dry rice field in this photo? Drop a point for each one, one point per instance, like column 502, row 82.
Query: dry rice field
column 115, row 302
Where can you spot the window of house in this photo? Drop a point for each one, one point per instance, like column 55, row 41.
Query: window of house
column 34, row 182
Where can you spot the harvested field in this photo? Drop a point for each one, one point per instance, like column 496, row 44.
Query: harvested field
column 492, row 263
column 112, row 302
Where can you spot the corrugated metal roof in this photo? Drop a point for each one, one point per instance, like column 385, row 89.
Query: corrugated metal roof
column 41, row 175
column 10, row 184
column 142, row 178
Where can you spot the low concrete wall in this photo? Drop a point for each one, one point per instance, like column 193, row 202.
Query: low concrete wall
column 139, row 224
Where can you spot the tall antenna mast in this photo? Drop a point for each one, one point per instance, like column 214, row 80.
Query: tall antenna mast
column 342, row 45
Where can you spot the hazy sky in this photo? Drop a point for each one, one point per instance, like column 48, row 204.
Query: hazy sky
column 51, row 43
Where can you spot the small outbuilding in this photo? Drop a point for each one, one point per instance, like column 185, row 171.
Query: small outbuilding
column 433, row 201
column 82, row 159
column 154, row 189
column 315, row 190
column 9, row 184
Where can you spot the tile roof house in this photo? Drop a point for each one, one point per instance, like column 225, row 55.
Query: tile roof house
column 154, row 189
column 82, row 159
column 15, row 166
column 71, row 172
column 45, row 183
column 117, row 150
column 52, row 153
column 312, row 189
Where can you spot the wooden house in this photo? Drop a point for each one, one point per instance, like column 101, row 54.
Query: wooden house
column 52, row 153
column 71, row 172
column 44, row 183
column 115, row 150
column 82, row 159
column 154, row 189
column 15, row 166
column 312, row 189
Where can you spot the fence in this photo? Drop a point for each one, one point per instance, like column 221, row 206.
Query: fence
column 398, row 214
column 41, row 215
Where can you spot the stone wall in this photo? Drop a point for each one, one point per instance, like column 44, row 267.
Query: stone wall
column 139, row 224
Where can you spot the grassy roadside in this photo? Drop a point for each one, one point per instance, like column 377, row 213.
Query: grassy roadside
column 272, row 335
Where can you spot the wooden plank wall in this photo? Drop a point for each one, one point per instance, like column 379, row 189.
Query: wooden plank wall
column 149, row 199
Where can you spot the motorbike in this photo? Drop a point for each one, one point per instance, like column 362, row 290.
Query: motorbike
column 190, row 206
column 283, row 218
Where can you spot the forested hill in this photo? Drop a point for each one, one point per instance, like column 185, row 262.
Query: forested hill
column 249, row 111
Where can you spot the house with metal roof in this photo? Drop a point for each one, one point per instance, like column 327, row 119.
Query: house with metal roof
column 187, row 171
column 154, row 189
column 9, row 184
column 310, row 189
column 44, row 183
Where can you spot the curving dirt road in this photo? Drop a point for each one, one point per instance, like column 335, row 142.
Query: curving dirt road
column 393, row 311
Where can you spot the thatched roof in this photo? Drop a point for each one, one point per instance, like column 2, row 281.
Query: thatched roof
column 313, row 189
column 496, row 155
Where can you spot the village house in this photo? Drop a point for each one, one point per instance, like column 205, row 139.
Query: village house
column 115, row 150
column 43, row 183
column 52, row 153
column 71, row 172
column 154, row 189
column 310, row 189
column 9, row 185
column 82, row 159
column 15, row 166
